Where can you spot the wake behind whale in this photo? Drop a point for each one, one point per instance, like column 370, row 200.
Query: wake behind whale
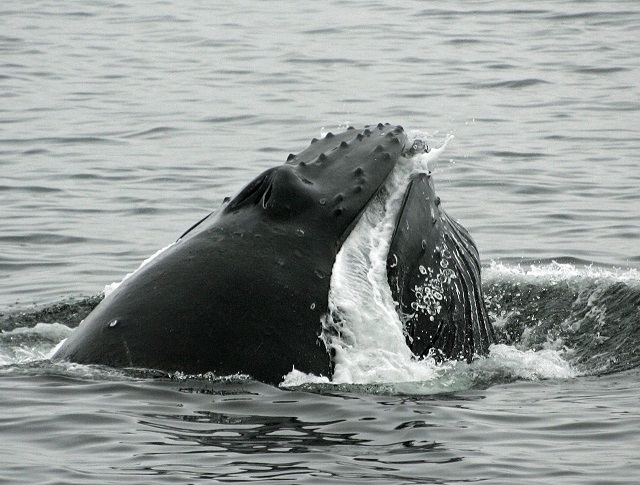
column 249, row 288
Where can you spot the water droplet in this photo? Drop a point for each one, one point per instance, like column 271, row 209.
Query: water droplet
column 300, row 232
column 113, row 323
column 313, row 306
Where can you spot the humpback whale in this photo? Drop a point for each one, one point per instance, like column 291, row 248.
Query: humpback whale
column 245, row 290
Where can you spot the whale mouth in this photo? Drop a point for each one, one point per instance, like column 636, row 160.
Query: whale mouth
column 363, row 329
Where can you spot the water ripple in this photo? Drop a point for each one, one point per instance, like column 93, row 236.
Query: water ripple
column 513, row 84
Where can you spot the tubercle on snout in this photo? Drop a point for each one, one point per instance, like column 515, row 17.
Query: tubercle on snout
column 341, row 141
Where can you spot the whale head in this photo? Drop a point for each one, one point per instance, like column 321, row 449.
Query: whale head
column 245, row 290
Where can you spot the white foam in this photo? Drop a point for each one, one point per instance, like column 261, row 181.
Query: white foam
column 529, row 364
column 297, row 378
column 40, row 341
column 555, row 272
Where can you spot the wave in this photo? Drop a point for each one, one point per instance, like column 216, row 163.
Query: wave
column 589, row 313
column 510, row 84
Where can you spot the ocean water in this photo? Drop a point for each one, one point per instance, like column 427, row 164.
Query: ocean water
column 123, row 123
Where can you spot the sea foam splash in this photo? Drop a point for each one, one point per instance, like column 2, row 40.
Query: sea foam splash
column 28, row 344
column 553, row 272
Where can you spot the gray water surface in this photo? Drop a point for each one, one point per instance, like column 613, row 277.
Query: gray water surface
column 123, row 123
